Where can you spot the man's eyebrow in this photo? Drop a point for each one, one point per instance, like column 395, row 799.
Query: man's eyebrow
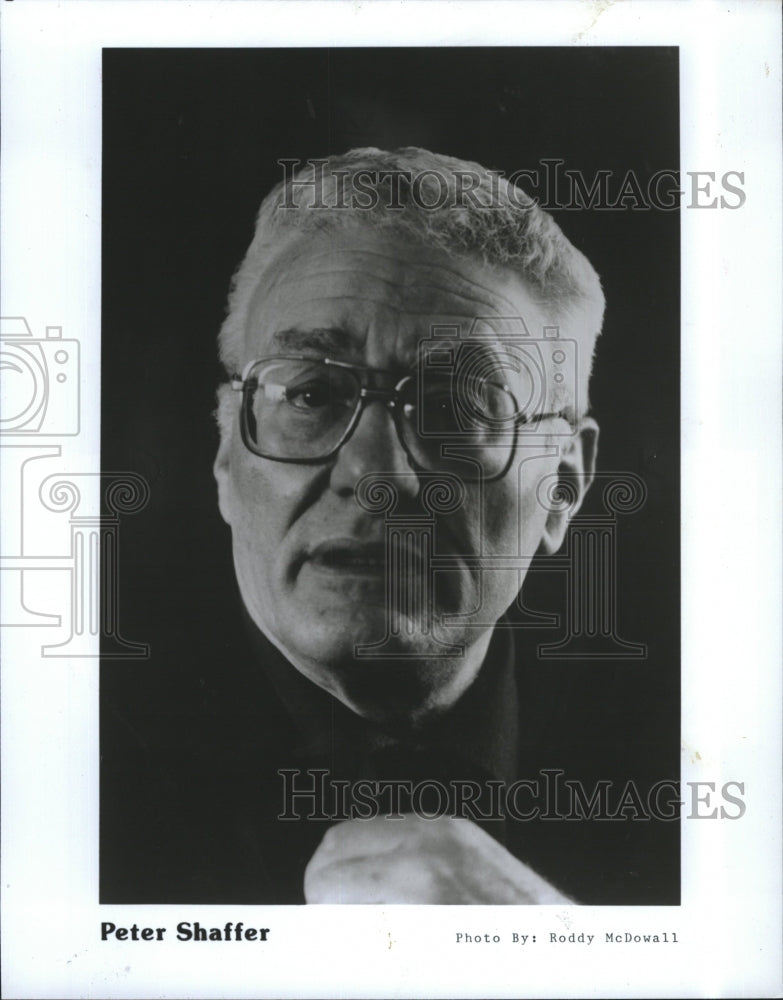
column 325, row 339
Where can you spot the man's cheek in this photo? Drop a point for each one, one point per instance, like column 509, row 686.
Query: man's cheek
column 256, row 536
column 253, row 495
column 537, row 479
column 532, row 521
column 502, row 521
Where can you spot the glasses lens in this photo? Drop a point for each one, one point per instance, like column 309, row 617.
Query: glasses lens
column 299, row 409
column 460, row 425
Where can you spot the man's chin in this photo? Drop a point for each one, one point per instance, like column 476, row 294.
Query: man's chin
column 326, row 587
column 396, row 673
column 361, row 634
column 360, row 604
column 395, row 682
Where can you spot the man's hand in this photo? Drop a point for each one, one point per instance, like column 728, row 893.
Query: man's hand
column 415, row 860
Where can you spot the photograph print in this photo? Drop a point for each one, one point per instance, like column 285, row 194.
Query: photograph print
column 390, row 375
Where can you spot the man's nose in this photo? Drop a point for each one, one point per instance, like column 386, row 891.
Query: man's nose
column 373, row 448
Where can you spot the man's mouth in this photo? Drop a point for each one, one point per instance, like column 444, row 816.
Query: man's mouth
column 349, row 556
column 355, row 557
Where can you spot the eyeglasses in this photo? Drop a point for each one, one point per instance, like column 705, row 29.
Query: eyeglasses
column 302, row 410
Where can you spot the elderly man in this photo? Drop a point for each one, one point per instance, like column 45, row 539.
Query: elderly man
column 402, row 322
column 402, row 430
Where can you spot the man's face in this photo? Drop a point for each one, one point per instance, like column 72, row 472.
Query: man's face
column 310, row 560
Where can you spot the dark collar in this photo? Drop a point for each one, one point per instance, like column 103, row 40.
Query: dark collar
column 477, row 737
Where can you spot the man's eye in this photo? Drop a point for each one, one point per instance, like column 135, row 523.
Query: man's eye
column 439, row 407
column 442, row 405
column 311, row 396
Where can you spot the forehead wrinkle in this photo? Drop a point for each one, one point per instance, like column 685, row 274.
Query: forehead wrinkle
column 475, row 307
column 302, row 288
column 390, row 306
column 353, row 330
column 349, row 334
column 458, row 285
column 410, row 264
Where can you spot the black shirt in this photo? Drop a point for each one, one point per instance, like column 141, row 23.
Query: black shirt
column 193, row 746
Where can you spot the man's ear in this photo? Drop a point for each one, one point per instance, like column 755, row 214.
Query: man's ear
column 575, row 472
column 222, row 464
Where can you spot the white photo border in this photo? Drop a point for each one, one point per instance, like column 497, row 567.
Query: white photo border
column 729, row 924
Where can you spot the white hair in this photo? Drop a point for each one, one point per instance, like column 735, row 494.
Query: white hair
column 454, row 205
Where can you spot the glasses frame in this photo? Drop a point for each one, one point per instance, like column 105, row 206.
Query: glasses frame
column 391, row 397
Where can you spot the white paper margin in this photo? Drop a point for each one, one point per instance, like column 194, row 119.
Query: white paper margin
column 729, row 926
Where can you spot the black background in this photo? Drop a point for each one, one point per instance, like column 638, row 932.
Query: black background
column 191, row 140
